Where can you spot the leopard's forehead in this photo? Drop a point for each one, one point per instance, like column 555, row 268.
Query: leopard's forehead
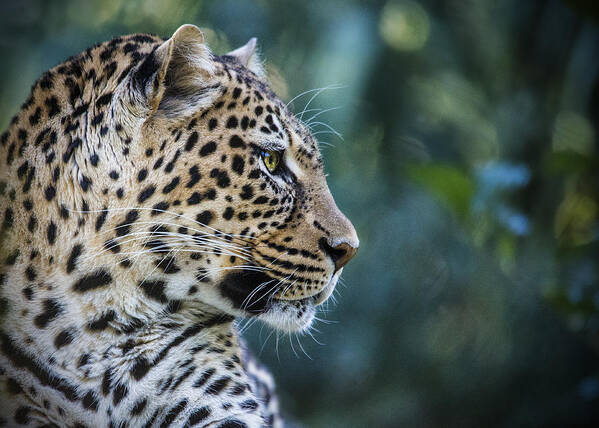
column 252, row 97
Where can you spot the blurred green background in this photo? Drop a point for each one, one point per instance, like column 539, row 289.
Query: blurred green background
column 469, row 166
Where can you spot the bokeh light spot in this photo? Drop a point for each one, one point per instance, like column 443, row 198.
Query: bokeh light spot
column 572, row 132
column 404, row 25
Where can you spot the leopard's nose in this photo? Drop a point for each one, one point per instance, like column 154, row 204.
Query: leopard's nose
column 340, row 252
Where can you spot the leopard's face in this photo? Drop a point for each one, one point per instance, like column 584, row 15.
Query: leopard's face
column 230, row 207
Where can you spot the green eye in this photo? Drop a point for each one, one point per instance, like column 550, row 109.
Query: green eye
column 271, row 159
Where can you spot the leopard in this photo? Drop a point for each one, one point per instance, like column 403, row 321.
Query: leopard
column 153, row 194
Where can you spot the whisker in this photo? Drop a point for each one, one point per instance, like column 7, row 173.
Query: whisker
column 319, row 113
column 333, row 86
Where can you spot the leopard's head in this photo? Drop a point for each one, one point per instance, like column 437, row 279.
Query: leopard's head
column 229, row 206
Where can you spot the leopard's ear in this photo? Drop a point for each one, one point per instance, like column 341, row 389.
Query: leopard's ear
column 176, row 79
column 248, row 56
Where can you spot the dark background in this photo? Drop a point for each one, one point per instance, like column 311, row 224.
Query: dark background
column 469, row 166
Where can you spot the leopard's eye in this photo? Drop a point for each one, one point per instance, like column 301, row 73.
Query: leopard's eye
column 271, row 159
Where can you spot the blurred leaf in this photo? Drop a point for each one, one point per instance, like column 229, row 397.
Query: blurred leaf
column 447, row 183
column 568, row 162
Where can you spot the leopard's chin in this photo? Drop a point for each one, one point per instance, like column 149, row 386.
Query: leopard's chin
column 297, row 315
column 290, row 316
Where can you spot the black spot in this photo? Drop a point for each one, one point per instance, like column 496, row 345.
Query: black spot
column 101, row 219
column 28, row 293
column 90, row 401
column 27, row 184
column 245, row 122
column 75, row 253
column 85, row 183
column 204, row 377
column 120, row 392
column 8, row 219
column 169, row 166
column 194, row 199
column 222, row 178
column 22, row 170
column 99, row 278
column 106, row 381
column 52, row 105
column 125, row 227
column 50, row 192
column 191, row 141
column 52, row 309
column 249, row 404
column 232, row 122
column 102, row 322
column 173, row 413
column 168, row 266
column 97, row 119
column 22, row 415
column 141, row 176
column 228, row 213
column 198, row 416
column 51, row 233
column 205, row 217
column 238, row 164
column 159, row 208
column 208, row 148
column 64, row 212
column 170, row 186
column 233, row 423
column 139, row 407
column 194, row 176
column 73, row 145
column 104, row 99
column 218, row 385
column 32, row 223
column 158, row 162
column 212, row 124
column 247, row 192
column 155, row 290
column 146, row 193
column 114, row 175
column 30, row 273
column 63, row 338
column 258, row 110
column 140, row 368
column 236, row 142
column 79, row 110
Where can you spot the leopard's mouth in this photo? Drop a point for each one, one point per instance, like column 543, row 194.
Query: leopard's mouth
column 255, row 292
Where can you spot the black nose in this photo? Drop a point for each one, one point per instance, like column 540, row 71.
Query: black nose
column 341, row 253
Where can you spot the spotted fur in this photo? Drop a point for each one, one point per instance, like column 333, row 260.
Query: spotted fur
column 138, row 221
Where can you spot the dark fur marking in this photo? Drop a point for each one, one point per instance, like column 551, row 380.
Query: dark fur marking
column 75, row 253
column 146, row 193
column 46, row 378
column 102, row 322
column 191, row 141
column 208, row 148
column 173, row 413
column 139, row 407
column 52, row 309
column 99, row 278
column 64, row 338
column 155, row 290
column 198, row 416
